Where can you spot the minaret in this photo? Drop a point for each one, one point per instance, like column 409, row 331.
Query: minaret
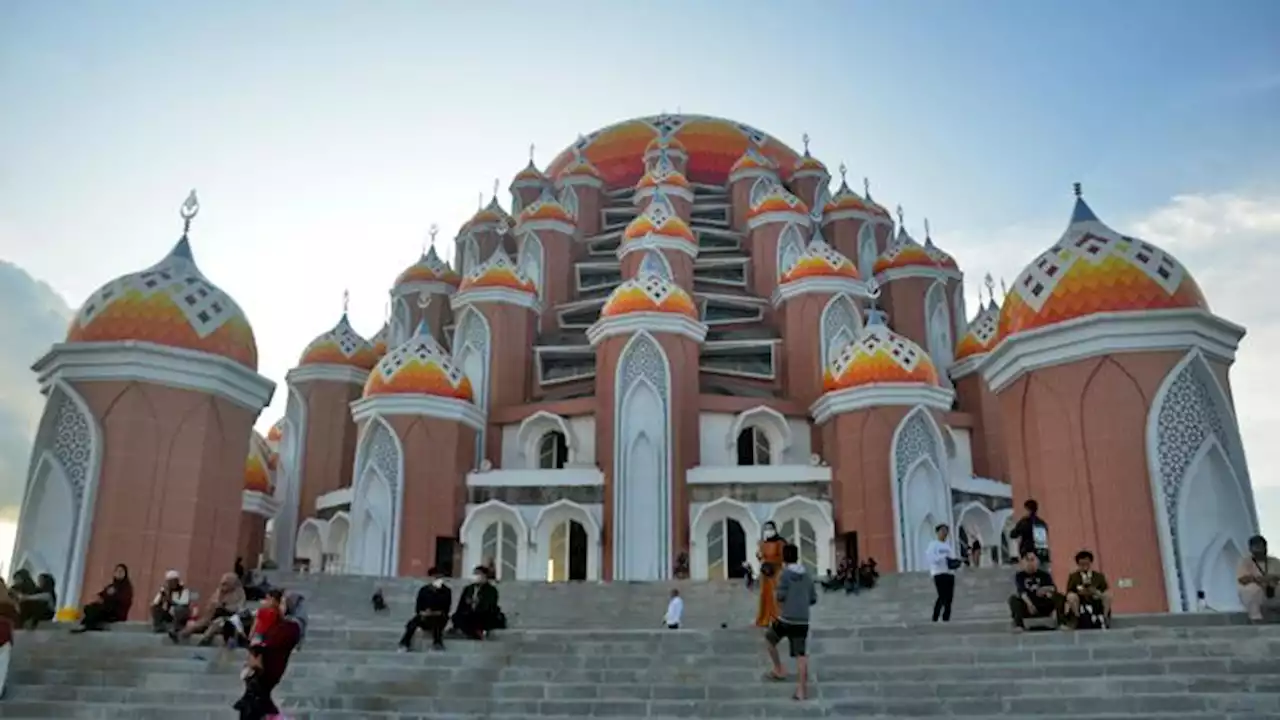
column 580, row 191
column 151, row 402
column 663, row 178
column 527, row 186
column 1112, row 378
column 647, row 341
column 484, row 232
column 660, row 230
column 665, row 147
column 750, row 179
column 809, row 179
column 418, row 425
column 987, row 442
column 545, row 232
column 777, row 219
column 859, row 229
column 882, row 392
column 415, row 288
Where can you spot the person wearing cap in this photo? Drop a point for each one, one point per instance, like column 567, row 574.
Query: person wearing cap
column 171, row 608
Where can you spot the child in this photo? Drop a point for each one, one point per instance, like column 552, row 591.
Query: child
column 256, row 701
column 267, row 616
column 675, row 610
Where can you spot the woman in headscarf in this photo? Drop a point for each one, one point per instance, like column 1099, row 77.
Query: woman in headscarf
column 769, row 554
column 112, row 605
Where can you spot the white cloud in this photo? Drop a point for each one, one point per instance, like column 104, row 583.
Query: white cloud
column 1229, row 242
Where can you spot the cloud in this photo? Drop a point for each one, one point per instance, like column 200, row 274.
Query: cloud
column 34, row 318
column 1229, row 242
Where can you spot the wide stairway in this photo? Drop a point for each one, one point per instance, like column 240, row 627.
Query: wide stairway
column 595, row 650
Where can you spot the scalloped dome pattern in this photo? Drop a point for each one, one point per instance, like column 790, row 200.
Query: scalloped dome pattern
column 752, row 160
column 497, row 272
column 429, row 268
column 778, row 200
column 903, row 252
column 663, row 173
column 170, row 303
column 341, row 345
column 658, row 218
column 982, row 334
column 879, row 356
column 491, row 214
column 546, row 208
column 649, row 293
column 419, row 366
column 819, row 259
column 257, row 470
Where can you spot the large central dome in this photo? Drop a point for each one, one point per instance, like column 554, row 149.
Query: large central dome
column 713, row 145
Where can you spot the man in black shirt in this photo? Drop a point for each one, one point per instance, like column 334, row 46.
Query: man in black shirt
column 1032, row 533
column 1035, row 595
column 431, row 612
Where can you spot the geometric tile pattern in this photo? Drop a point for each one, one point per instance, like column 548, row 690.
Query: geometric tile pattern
column 846, row 199
column 879, row 356
column 820, row 260
column 419, row 366
column 498, row 271
column 752, row 160
column 257, row 471
column 981, row 335
column 341, row 345
column 659, row 218
column 663, row 173
column 546, row 207
column 713, row 145
column 665, row 143
column 429, row 268
column 903, row 252
column 777, row 200
column 170, row 303
column 1094, row 269
column 649, row 293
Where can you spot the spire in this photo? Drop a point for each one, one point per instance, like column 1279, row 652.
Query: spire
column 866, row 187
column 190, row 208
column 431, row 233
column 877, row 319
column 901, row 223
column 843, row 171
column 423, row 330
column 346, row 303
column 990, row 283
column 1081, row 212
column 805, row 139
column 927, row 239
column 532, row 147
column 495, row 190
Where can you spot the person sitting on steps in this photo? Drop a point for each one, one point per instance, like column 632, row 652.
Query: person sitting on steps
column 112, row 605
column 478, row 613
column 431, row 612
column 1088, row 596
column 796, row 594
column 1258, row 577
column 1035, row 595
column 171, row 607
column 38, row 606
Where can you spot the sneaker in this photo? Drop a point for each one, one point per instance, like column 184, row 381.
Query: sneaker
column 402, row 649
column 438, row 647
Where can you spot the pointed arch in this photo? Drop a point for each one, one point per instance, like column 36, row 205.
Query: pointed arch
column 401, row 322
column 806, row 523
column 960, row 314
column 472, row 340
column 772, row 423
column 532, row 259
column 517, row 204
column 840, row 325
column 759, row 189
column 373, row 539
column 335, row 542
column 1190, row 415
column 469, row 254
column 569, row 200
column 310, row 543
column 790, row 247
column 718, row 512
column 867, row 250
column 655, row 263
column 642, row 494
column 493, row 523
column 557, row 513
column 938, row 321
column 821, row 196
column 288, row 477
column 917, row 437
column 533, row 428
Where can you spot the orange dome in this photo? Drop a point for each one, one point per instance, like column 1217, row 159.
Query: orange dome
column 429, row 268
column 879, row 356
column 489, row 215
column 1093, row 269
column 546, row 208
column 752, row 162
column 846, row 202
column 418, row 367
column 497, row 272
column 530, row 176
column 340, row 346
column 820, row 260
column 712, row 145
column 981, row 335
column 809, row 166
column 942, row 258
column 663, row 173
column 257, row 471
column 903, row 252
column 777, row 200
column 649, row 293
column 662, row 144
column 660, row 219
column 172, row 304
column 577, row 170
column 379, row 340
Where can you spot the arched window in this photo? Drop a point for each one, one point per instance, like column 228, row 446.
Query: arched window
column 867, row 251
column 499, row 545
column 761, row 187
column 553, row 451
column 800, row 532
column 753, row 447
column 726, row 550
column 567, row 556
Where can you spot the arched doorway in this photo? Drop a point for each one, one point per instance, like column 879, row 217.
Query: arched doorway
column 567, row 554
column 799, row 532
column 726, row 549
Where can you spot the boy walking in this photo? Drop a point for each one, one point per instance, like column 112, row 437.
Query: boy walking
column 796, row 594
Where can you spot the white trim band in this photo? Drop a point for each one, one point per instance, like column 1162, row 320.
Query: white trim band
column 496, row 295
column 651, row 241
column 967, row 366
column 675, row 191
column 441, row 408
column 252, row 501
column 779, row 216
column 820, row 284
column 327, row 373
column 560, row 226
column 918, row 271
column 652, row 322
column 867, row 397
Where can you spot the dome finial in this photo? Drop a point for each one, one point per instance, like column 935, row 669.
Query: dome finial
column 926, row 230
column 480, row 200
column 346, row 301
column 843, row 171
column 901, row 222
column 495, row 190
column 805, row 139
column 866, row 187
column 190, row 208
column 1004, row 289
column 990, row 283
column 532, row 147
column 431, row 233
column 1077, row 189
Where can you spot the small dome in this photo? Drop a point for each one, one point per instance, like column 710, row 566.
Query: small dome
column 879, row 356
column 379, row 340
column 981, row 335
column 777, row 200
column 1094, row 269
column 847, row 203
column 257, row 470
column 659, row 218
column 497, row 272
column 665, row 144
column 943, row 259
column 172, row 304
column 820, row 260
column 664, row 173
column 649, row 292
column 579, row 170
column 903, row 252
column 419, row 366
column 530, row 176
column 752, row 163
column 341, row 345
column 545, row 208
column 429, row 268
column 489, row 215
column 807, row 165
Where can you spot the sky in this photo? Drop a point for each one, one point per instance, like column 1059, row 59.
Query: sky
column 325, row 137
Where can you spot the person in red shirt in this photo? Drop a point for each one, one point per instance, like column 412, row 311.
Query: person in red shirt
column 269, row 658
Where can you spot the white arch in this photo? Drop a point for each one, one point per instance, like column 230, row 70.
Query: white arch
column 790, row 247
column 840, row 324
column 569, row 200
column 1194, row 361
column 532, row 259
column 931, row 427
column 817, row 514
column 310, row 543
column 867, row 250
column 335, row 541
column 469, row 254
column 761, row 187
column 655, row 263
column 769, row 421
column 960, row 314
column 1209, row 521
column 479, row 519
column 365, row 462
column 979, row 523
column 719, row 510
column 554, row 514
column 1216, row 573
column 533, row 428
column 288, row 475
column 923, row 495
column 642, row 422
column 937, row 319
column 472, row 345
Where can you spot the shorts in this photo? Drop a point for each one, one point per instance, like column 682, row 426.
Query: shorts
column 796, row 634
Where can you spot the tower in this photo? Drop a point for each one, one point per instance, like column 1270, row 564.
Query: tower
column 545, row 255
column 1112, row 378
column 809, row 179
column 418, row 422
column 139, row 456
column 259, row 501
column 856, row 227
column 974, row 395
column 750, row 178
column 661, row 234
column 580, row 191
column 778, row 220
column 413, row 293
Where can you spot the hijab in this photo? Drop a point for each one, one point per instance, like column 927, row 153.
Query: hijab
column 123, row 595
column 229, row 592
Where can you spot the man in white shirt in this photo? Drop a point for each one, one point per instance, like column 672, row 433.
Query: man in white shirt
column 675, row 610
column 941, row 560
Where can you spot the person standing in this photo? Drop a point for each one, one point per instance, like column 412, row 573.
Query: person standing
column 796, row 594
column 769, row 553
column 1032, row 534
column 942, row 562
column 675, row 610
column 431, row 612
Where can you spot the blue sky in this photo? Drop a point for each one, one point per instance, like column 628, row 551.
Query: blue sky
column 325, row 137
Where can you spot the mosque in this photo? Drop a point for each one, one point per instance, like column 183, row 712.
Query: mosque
column 676, row 332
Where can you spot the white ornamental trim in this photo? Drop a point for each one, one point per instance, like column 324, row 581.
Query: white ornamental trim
column 1107, row 334
column 423, row 287
column 866, row 397
column 257, row 503
column 496, row 295
column 580, row 181
column 653, row 241
column 818, row 285
column 652, row 322
column 560, row 226
column 675, row 191
column 327, row 373
column 442, row 408
column 918, row 271
column 967, row 366
column 133, row 360
column 752, row 173
column 779, row 216
column 862, row 215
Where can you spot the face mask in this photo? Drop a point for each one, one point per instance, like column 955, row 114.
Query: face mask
column 477, row 578
column 438, row 582
column 770, row 533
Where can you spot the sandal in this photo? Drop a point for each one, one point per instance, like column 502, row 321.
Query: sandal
column 771, row 676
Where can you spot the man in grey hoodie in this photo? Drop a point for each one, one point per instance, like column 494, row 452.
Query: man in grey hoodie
column 796, row 594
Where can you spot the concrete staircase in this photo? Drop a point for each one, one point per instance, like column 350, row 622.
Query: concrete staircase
column 1189, row 667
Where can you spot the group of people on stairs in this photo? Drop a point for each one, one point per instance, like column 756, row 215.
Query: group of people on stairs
column 477, row 615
